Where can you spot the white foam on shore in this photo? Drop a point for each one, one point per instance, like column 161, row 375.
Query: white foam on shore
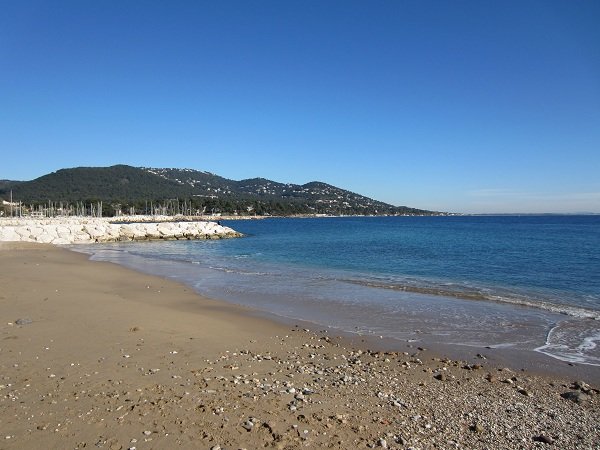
column 571, row 342
column 470, row 293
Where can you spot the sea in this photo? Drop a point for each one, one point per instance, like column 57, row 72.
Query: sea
column 530, row 283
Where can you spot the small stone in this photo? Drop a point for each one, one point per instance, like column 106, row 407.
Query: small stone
column 477, row 428
column 576, row 396
column 584, row 387
column 543, row 439
column 23, row 321
column 215, row 447
column 440, row 376
column 248, row 425
column 524, row 392
column 382, row 443
column 147, row 433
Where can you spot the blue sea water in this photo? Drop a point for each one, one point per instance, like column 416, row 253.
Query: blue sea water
column 527, row 282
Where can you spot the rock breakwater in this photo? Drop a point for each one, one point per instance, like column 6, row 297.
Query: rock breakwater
column 63, row 231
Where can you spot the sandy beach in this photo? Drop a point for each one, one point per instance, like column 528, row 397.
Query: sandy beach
column 93, row 355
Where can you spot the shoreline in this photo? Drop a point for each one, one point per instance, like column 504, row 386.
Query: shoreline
column 517, row 358
column 113, row 357
column 496, row 358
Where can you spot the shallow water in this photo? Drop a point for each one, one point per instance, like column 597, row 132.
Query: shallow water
column 529, row 282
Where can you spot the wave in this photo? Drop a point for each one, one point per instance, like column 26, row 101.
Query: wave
column 464, row 292
column 572, row 342
column 237, row 271
column 570, row 338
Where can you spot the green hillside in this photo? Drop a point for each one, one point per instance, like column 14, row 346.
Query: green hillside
column 122, row 187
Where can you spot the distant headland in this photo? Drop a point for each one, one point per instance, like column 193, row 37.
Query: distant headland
column 121, row 189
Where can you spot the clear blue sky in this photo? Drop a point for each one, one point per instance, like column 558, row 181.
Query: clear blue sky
column 470, row 106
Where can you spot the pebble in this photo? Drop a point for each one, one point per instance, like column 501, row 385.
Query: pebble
column 576, row 396
column 524, row 392
column 344, row 398
column 478, row 428
column 23, row 321
column 544, row 439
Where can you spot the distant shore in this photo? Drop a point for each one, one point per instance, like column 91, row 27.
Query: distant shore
column 95, row 354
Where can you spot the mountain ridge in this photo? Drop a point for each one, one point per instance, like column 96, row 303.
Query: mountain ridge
column 127, row 186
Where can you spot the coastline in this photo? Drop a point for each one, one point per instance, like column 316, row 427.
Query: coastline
column 107, row 355
column 398, row 330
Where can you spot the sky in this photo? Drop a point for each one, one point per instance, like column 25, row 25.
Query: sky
column 462, row 106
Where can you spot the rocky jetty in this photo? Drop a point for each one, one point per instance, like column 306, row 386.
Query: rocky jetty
column 63, row 231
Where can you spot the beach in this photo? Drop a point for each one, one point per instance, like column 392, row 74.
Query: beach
column 96, row 355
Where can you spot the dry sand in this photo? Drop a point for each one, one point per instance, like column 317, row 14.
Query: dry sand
column 105, row 357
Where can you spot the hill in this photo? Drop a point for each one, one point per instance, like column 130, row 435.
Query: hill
column 123, row 187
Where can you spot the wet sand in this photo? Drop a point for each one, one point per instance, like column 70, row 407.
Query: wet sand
column 93, row 355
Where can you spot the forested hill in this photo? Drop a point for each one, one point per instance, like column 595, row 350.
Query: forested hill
column 125, row 186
